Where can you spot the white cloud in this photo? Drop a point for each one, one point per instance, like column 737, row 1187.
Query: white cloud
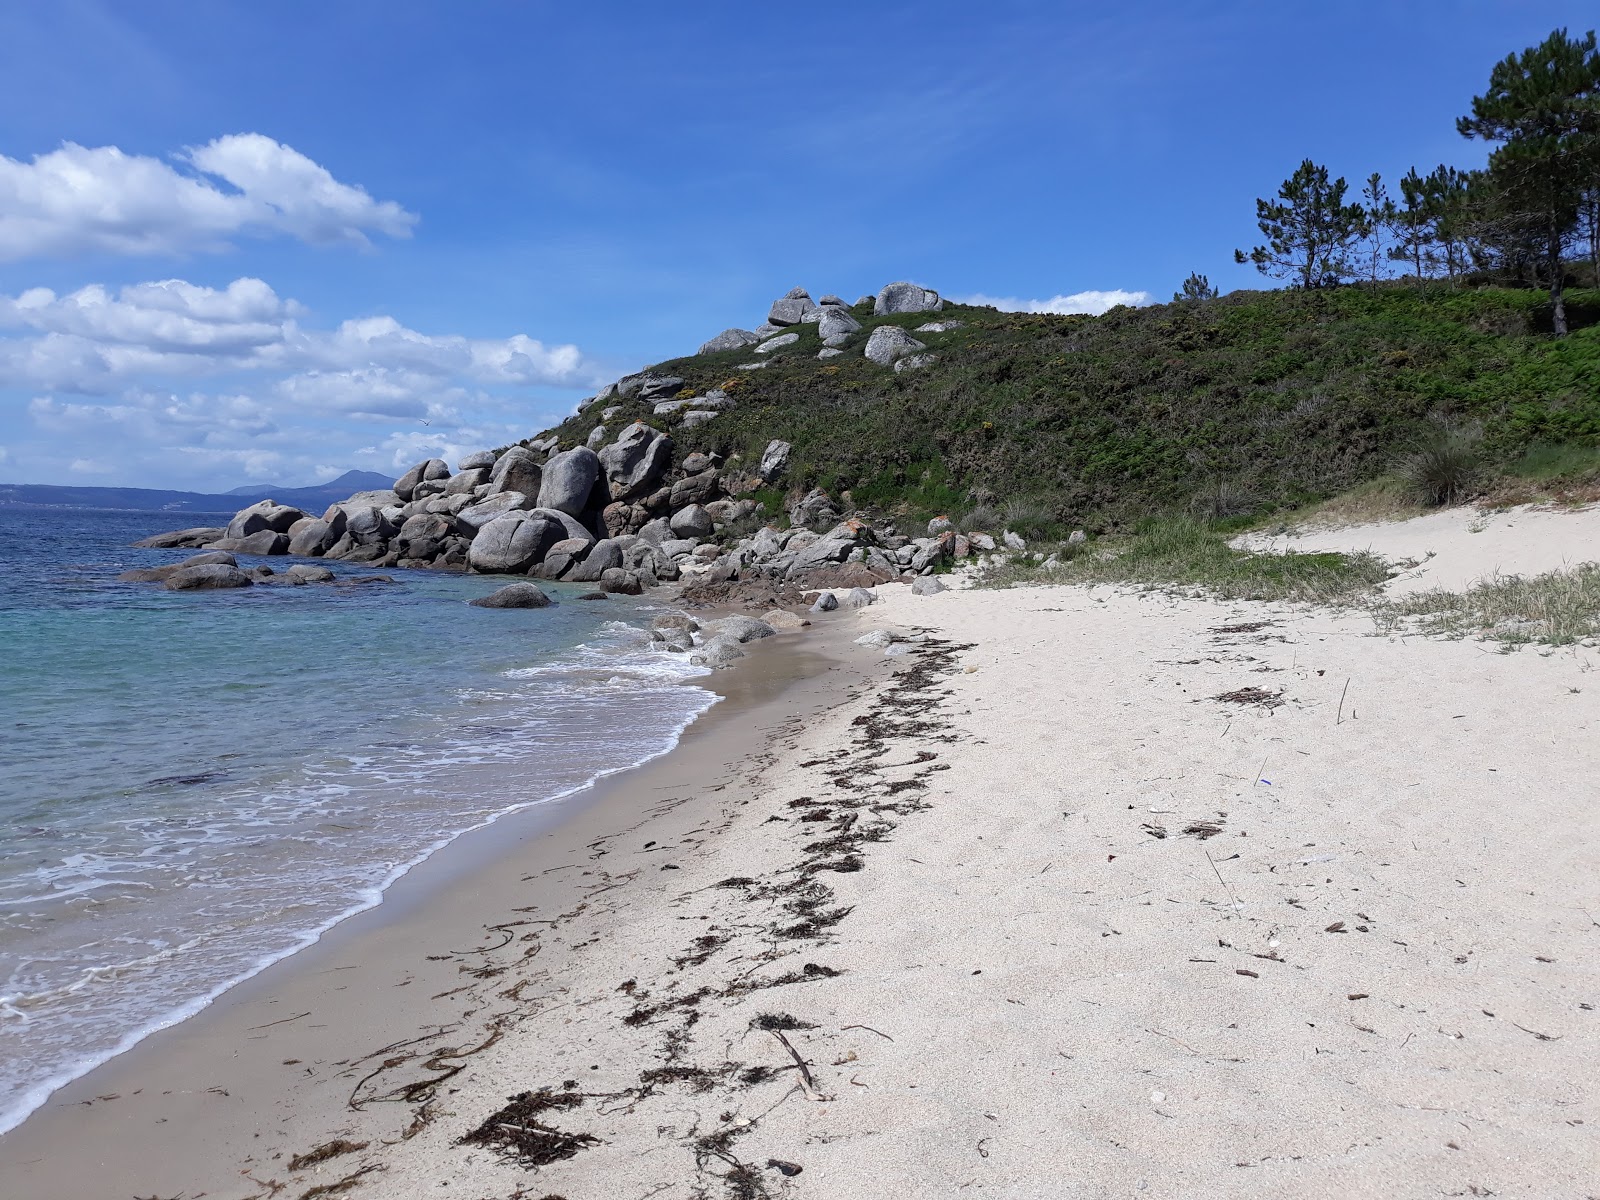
column 78, row 200
column 1093, row 302
column 95, row 342
column 175, row 385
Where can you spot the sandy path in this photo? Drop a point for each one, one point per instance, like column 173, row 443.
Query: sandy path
column 1456, row 547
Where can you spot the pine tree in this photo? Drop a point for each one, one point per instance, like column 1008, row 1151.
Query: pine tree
column 1196, row 287
column 1309, row 228
column 1413, row 224
column 1380, row 212
column 1543, row 107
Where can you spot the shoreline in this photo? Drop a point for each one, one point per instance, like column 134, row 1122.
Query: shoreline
column 1091, row 892
column 412, row 890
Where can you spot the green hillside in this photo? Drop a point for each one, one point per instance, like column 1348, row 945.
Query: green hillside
column 1246, row 403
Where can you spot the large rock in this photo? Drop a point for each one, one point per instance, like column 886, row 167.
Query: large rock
column 367, row 526
column 692, row 522
column 728, row 339
column 509, row 545
column 476, row 461
column 836, row 322
column 569, row 477
column 648, row 386
column 634, row 462
column 517, row 470
column 742, row 628
column 424, row 536
column 216, row 576
column 562, row 557
column 791, row 310
column 777, row 343
column 266, row 515
column 889, row 342
column 567, row 526
column 602, row 556
column 928, row 585
column 475, row 516
column 716, row 652
column 151, row 574
column 310, row 573
column 513, row 595
column 434, row 468
column 179, row 539
column 906, row 298
column 815, row 508
column 465, row 482
column 621, row 582
column 313, row 538
column 774, row 460
column 695, row 489
column 263, row 542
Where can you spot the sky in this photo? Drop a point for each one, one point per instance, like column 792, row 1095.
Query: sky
column 272, row 243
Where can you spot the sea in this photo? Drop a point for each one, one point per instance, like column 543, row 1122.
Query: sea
column 194, row 785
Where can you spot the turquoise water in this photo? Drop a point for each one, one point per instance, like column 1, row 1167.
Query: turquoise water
column 193, row 784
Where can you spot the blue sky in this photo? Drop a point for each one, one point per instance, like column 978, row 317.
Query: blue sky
column 384, row 230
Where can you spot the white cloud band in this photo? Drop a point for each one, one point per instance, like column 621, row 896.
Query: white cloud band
column 79, row 200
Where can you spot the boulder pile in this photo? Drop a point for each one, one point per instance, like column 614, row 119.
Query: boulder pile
column 836, row 324
column 624, row 511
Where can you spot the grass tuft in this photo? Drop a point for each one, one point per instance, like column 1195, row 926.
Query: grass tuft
column 1185, row 553
column 1557, row 608
column 1443, row 468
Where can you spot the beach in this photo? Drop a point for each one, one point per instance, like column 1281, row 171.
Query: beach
column 1080, row 892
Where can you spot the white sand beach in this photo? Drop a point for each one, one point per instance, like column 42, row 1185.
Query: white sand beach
column 1092, row 893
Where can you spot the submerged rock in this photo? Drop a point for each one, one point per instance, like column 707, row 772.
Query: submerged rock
column 187, row 579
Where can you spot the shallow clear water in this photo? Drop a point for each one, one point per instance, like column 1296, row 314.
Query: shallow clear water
column 195, row 784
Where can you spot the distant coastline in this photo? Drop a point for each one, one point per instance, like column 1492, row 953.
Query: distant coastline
column 132, row 499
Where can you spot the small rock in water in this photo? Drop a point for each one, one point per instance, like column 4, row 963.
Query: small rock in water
column 826, row 602
column 216, row 576
column 513, row 595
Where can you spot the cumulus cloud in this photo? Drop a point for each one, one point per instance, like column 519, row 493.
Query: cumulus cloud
column 1093, row 302
column 172, row 384
column 95, row 341
column 79, row 200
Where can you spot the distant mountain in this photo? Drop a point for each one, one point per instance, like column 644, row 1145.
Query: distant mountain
column 312, row 499
column 349, row 483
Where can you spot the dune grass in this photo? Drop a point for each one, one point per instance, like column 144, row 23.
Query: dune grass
column 1184, row 553
column 1556, row 609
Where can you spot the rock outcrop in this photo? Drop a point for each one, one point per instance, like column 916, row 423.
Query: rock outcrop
column 906, row 298
column 889, row 342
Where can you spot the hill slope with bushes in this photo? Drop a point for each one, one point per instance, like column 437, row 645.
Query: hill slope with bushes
column 1246, row 403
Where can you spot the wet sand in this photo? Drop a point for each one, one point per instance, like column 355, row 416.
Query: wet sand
column 222, row 1100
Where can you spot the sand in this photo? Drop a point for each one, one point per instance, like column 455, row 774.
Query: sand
column 1457, row 547
column 1091, row 893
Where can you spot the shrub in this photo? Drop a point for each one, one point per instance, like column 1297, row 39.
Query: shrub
column 1031, row 519
column 1443, row 468
column 981, row 519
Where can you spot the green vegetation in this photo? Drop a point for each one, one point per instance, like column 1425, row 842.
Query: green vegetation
column 1251, row 403
column 1514, row 219
column 1443, row 468
column 1557, row 609
column 1184, row 553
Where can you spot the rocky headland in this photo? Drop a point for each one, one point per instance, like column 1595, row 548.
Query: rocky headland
column 630, row 507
